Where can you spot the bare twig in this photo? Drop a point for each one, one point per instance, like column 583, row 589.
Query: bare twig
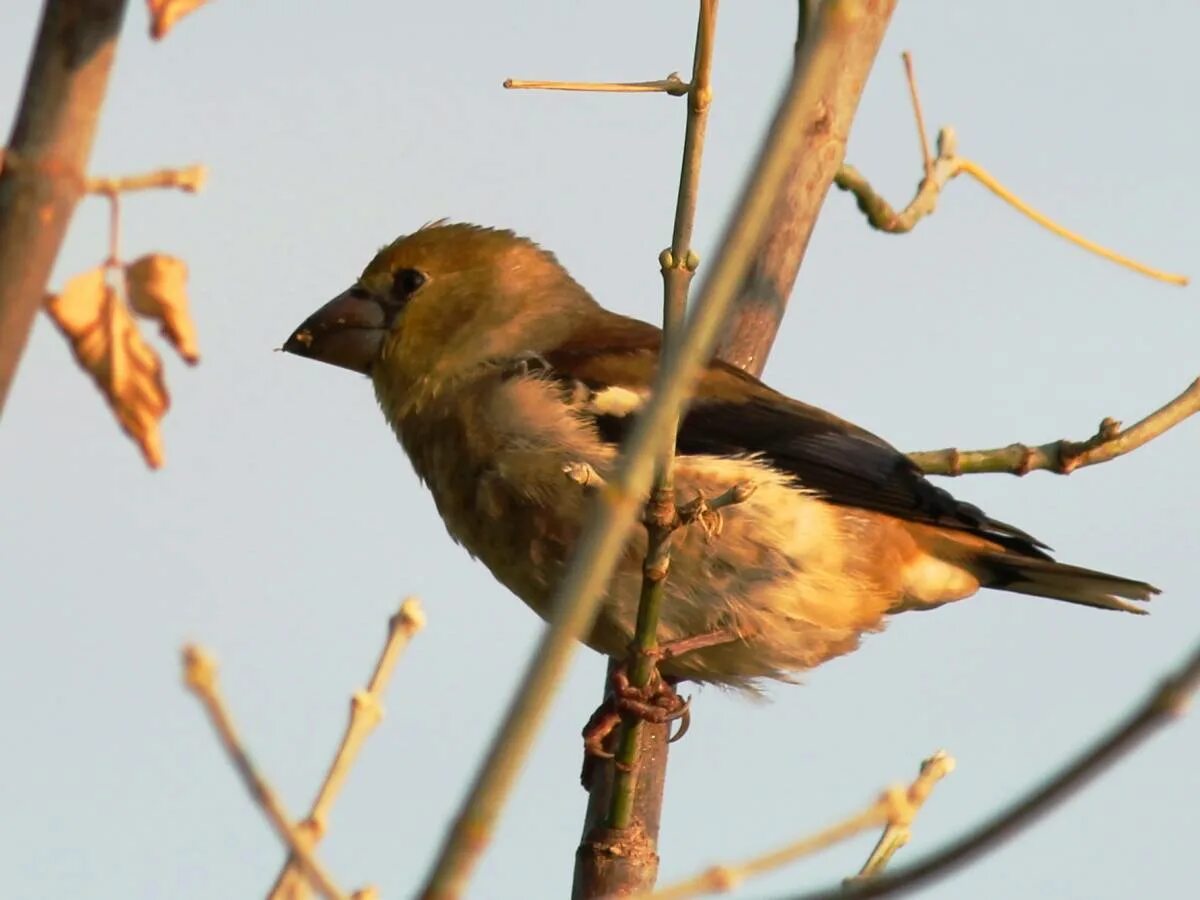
column 985, row 178
column 672, row 84
column 894, row 808
column 47, row 154
column 899, row 829
column 1063, row 456
column 114, row 232
column 918, row 114
column 576, row 601
column 366, row 710
column 949, row 165
column 678, row 265
column 1165, row 703
column 200, row 676
column 189, row 179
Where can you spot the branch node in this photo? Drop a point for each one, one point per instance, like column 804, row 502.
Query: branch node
column 955, row 462
column 1025, row 464
column 721, row 879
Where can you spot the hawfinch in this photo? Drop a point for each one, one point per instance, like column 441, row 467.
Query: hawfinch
column 504, row 380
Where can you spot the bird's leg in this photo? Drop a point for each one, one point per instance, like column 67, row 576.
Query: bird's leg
column 672, row 649
column 706, row 512
column 657, row 703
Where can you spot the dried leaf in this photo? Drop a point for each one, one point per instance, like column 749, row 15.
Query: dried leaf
column 156, row 285
column 106, row 343
column 165, row 13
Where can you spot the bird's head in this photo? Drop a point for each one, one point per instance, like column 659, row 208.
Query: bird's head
column 441, row 301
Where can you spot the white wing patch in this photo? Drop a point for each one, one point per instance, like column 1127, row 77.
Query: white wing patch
column 615, row 401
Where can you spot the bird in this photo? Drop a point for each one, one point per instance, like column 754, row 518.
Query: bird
column 510, row 389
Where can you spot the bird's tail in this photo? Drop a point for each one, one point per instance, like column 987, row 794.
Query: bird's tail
column 1022, row 574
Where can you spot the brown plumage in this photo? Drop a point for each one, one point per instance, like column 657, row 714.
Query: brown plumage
column 497, row 371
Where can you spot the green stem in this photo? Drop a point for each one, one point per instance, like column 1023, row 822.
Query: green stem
column 678, row 265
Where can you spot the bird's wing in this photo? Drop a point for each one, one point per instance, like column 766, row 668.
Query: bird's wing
column 733, row 413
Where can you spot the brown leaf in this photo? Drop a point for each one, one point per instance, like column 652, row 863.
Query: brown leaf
column 106, row 343
column 156, row 286
column 165, row 13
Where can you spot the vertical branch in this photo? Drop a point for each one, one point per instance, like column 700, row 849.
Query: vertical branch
column 678, row 265
column 613, row 857
column 46, row 160
column 764, row 294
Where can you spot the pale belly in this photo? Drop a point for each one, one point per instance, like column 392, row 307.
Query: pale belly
column 791, row 580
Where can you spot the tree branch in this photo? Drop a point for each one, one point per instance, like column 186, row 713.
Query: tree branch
column 899, row 828
column 43, row 169
column 366, row 710
column 188, row 179
column 200, row 676
column 678, row 265
column 672, row 84
column 618, row 852
column 1063, row 457
column 895, row 808
column 1166, row 702
column 949, row 165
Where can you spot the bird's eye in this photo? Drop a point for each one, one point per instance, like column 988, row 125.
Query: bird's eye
column 406, row 282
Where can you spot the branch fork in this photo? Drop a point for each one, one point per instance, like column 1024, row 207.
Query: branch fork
column 947, row 165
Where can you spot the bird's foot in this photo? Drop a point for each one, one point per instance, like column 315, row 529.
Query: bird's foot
column 706, row 512
column 656, row 703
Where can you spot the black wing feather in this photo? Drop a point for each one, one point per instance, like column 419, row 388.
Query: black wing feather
column 847, row 466
column 735, row 414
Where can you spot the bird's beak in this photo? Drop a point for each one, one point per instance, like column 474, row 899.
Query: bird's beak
column 348, row 331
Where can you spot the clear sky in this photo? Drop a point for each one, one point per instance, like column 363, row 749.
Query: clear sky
column 287, row 524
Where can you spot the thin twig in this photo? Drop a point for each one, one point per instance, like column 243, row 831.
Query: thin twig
column 366, row 710
column 114, row 232
column 926, row 156
column 200, row 676
column 899, row 830
column 678, row 265
column 1168, row 701
column 189, row 179
column 577, row 599
column 672, row 84
column 1063, row 457
column 895, row 807
column 985, row 178
column 949, row 165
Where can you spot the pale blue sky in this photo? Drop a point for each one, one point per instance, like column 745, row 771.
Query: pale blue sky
column 287, row 523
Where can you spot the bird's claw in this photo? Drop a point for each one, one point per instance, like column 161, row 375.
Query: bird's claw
column 658, row 704
column 685, row 721
column 707, row 513
column 698, row 511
